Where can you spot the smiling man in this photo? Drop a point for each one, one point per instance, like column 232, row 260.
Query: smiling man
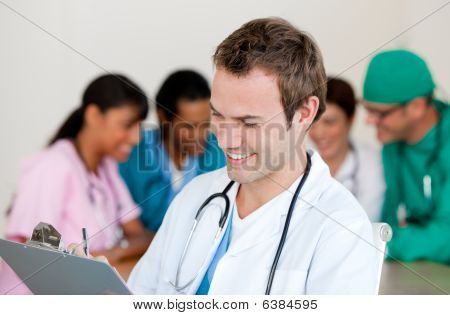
column 273, row 221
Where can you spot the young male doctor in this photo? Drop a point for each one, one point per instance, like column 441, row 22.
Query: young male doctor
column 269, row 87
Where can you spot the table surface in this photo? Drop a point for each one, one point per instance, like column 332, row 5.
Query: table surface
column 421, row 277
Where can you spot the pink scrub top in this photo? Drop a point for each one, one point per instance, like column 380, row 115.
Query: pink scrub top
column 55, row 187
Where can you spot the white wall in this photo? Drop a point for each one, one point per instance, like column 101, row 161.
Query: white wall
column 41, row 79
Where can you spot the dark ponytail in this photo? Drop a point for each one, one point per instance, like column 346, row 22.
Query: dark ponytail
column 106, row 92
column 71, row 126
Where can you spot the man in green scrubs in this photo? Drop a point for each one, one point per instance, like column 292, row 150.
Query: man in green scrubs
column 415, row 131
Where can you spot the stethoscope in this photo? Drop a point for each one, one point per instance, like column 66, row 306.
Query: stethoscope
column 222, row 222
column 100, row 218
column 402, row 214
column 117, row 234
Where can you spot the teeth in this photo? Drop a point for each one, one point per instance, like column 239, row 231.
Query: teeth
column 235, row 156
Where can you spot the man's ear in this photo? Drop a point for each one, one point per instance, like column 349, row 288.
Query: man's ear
column 308, row 110
column 92, row 115
column 418, row 106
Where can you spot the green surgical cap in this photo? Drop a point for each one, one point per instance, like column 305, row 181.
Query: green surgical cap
column 396, row 77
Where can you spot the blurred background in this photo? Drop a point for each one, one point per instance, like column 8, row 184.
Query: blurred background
column 51, row 49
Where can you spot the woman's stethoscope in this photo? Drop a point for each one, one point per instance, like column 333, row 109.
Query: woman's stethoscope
column 117, row 235
column 100, row 218
column 222, row 221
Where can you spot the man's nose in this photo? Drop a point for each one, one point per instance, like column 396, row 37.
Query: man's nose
column 229, row 135
column 372, row 119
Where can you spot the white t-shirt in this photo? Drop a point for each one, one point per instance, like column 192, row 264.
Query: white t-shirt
column 241, row 226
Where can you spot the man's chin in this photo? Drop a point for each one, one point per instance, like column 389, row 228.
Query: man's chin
column 243, row 177
column 385, row 137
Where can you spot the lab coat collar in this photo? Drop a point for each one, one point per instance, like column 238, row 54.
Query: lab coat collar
column 314, row 186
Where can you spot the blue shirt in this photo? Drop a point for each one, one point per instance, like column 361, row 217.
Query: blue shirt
column 221, row 250
column 148, row 174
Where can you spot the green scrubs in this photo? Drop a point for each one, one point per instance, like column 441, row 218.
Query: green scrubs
column 417, row 200
column 418, row 180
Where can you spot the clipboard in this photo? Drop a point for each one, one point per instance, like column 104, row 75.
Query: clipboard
column 49, row 271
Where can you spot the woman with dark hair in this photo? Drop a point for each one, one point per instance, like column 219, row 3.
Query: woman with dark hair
column 181, row 148
column 331, row 136
column 74, row 182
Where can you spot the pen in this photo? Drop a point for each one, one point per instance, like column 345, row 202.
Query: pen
column 85, row 241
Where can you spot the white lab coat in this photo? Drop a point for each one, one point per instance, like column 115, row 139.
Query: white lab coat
column 362, row 174
column 328, row 249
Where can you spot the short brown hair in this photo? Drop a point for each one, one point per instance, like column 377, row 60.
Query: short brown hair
column 275, row 45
